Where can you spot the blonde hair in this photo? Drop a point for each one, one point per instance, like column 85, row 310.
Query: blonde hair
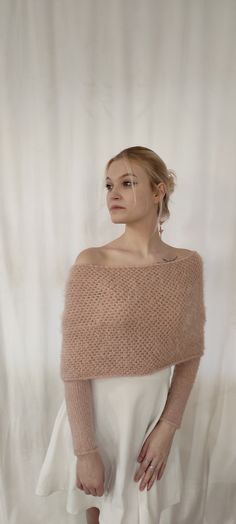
column 156, row 170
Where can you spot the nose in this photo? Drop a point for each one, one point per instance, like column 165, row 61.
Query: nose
column 114, row 195
column 113, row 191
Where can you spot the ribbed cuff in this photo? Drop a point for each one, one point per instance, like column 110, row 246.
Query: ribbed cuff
column 173, row 424
column 78, row 454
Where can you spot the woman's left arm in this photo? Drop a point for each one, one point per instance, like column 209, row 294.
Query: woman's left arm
column 181, row 384
column 156, row 448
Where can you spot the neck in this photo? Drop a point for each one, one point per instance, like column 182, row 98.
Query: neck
column 142, row 239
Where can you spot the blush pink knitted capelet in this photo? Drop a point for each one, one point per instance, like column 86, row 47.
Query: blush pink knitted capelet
column 130, row 320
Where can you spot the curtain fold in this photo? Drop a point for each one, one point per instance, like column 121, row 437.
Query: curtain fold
column 79, row 82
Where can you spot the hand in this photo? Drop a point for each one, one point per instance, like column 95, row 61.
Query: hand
column 90, row 473
column 155, row 451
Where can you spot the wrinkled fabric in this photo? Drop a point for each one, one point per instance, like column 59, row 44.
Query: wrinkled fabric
column 126, row 410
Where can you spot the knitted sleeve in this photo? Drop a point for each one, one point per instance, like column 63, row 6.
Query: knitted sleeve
column 181, row 384
column 185, row 372
column 79, row 408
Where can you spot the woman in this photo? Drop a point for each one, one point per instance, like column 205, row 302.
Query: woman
column 133, row 308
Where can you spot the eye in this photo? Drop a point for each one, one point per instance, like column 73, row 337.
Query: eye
column 108, row 186
column 129, row 182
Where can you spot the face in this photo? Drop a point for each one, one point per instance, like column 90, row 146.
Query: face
column 128, row 186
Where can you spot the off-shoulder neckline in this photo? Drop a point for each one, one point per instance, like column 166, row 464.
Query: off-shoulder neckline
column 140, row 266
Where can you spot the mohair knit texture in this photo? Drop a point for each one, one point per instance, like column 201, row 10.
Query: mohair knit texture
column 130, row 320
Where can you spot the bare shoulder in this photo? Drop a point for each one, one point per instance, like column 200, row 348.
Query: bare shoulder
column 180, row 251
column 172, row 251
column 90, row 255
column 107, row 254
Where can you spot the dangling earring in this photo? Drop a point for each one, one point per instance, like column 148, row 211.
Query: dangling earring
column 159, row 221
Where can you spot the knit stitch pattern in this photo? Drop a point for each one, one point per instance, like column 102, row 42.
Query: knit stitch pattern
column 132, row 320
column 158, row 314
column 79, row 405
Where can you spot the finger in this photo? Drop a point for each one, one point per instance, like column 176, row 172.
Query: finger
column 143, row 451
column 152, row 480
column 146, row 478
column 100, row 491
column 142, row 468
column 148, row 475
column 86, row 490
column 93, row 491
column 161, row 471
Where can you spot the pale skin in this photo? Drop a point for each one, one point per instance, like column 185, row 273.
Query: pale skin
column 140, row 244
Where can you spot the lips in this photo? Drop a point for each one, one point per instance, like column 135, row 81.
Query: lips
column 117, row 207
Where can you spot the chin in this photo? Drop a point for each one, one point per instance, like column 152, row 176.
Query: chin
column 117, row 220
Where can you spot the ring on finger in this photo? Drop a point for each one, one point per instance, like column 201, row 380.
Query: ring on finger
column 143, row 483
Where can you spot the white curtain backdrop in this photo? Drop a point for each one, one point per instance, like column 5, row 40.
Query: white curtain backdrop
column 81, row 80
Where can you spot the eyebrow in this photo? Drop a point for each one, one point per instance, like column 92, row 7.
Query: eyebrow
column 122, row 176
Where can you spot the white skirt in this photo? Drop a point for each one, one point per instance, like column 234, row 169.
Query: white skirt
column 126, row 409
